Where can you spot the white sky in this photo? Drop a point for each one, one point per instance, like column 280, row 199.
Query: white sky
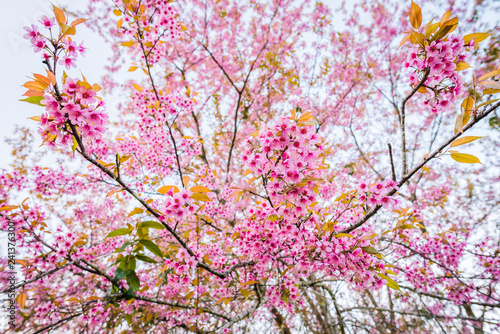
column 18, row 61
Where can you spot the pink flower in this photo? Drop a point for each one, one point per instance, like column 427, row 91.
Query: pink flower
column 76, row 114
column 70, row 47
column 47, row 22
column 86, row 96
column 71, row 86
column 39, row 43
column 68, row 62
column 82, row 49
column 32, row 32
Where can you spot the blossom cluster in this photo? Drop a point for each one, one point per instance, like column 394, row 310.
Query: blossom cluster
column 40, row 42
column 377, row 193
column 286, row 154
column 75, row 103
column 78, row 106
column 163, row 23
column 440, row 58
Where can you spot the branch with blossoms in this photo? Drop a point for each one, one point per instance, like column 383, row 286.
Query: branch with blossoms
column 434, row 154
column 274, row 235
column 68, row 116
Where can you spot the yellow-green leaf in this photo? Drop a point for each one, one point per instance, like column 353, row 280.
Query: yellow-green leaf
column 486, row 103
column 478, row 37
column 464, row 140
column 490, row 84
column 67, row 30
column 150, row 224
column 340, row 235
column 468, row 103
column 136, row 211
column 390, row 282
column 34, row 100
column 465, row 158
column 200, row 197
column 369, row 250
column 462, row 66
column 488, row 75
column 245, row 293
column 249, row 282
column 118, row 232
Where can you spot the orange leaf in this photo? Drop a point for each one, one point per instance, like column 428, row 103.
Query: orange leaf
column 60, row 17
column 77, row 22
column 21, row 299
column 200, row 189
column 8, row 207
column 36, row 118
column 42, row 79
column 35, row 85
column 127, row 44
column 415, row 15
column 163, row 190
column 139, row 88
column 445, row 18
column 51, row 77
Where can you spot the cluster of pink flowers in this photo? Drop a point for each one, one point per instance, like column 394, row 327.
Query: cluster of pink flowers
column 287, row 155
column 179, row 204
column 163, row 23
column 48, row 182
column 79, row 106
column 376, row 194
column 39, row 42
column 76, row 103
column 440, row 58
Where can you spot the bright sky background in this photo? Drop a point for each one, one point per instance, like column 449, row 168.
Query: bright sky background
column 19, row 61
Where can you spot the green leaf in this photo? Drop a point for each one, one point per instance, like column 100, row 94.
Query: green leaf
column 120, row 273
column 151, row 224
column 151, row 246
column 118, row 232
column 369, row 250
column 390, row 282
column 131, row 263
column 34, row 100
column 122, row 248
column 145, row 258
column 443, row 32
column 133, row 281
column 465, row 158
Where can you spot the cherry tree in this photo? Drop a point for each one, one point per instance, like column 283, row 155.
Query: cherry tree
column 270, row 166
